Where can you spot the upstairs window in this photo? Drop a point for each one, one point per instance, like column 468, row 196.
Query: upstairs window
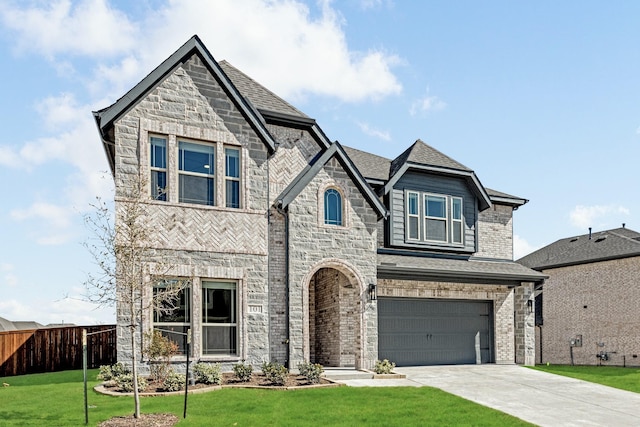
column 413, row 215
column 332, row 207
column 434, row 218
column 456, row 220
column 196, row 172
column 158, row 166
column 232, row 177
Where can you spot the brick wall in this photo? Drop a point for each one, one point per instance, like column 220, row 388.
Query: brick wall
column 495, row 232
column 598, row 301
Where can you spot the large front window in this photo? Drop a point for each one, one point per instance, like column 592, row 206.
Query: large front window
column 173, row 317
column 219, row 318
column 434, row 218
column 196, row 164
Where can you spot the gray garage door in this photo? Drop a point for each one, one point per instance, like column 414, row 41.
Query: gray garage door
column 434, row 331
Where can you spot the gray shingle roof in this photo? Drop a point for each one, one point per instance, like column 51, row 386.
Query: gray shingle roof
column 469, row 270
column 603, row 245
column 261, row 97
column 370, row 165
column 424, row 154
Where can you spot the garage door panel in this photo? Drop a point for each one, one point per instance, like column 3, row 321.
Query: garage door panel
column 427, row 331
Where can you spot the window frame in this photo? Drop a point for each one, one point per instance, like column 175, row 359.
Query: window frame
column 228, row 178
column 234, row 323
column 160, row 195
column 410, row 215
column 209, row 176
column 339, row 221
column 449, row 221
column 158, row 324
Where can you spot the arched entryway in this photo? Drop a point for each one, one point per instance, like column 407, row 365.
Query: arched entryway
column 334, row 328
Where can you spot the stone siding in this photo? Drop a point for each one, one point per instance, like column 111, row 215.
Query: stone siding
column 502, row 297
column 351, row 249
column 202, row 242
column 495, row 232
column 598, row 301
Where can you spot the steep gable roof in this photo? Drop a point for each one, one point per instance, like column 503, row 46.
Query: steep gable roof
column 106, row 117
column 421, row 156
column 261, row 97
column 421, row 153
column 584, row 249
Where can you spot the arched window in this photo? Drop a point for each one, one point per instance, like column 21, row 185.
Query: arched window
column 332, row 207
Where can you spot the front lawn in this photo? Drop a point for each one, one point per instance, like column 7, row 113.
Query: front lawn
column 613, row 376
column 56, row 399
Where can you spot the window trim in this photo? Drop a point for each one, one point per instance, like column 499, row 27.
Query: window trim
column 228, row 178
column 339, row 221
column 156, row 325
column 427, row 217
column 457, row 221
column 410, row 215
column 448, row 220
column 211, row 176
column 235, row 315
column 160, row 196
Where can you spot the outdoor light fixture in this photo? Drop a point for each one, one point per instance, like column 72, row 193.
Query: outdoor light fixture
column 372, row 292
column 530, row 306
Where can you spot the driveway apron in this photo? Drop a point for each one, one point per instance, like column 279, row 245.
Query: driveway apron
column 537, row 397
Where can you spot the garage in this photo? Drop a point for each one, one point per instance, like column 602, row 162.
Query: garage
column 414, row 331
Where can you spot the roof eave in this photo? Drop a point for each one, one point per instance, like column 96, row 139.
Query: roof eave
column 414, row 273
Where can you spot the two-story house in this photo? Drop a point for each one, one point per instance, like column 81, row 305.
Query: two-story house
column 297, row 248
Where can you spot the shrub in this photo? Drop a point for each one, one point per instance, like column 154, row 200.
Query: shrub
column 159, row 350
column 174, row 381
column 110, row 372
column 243, row 372
column 275, row 372
column 311, row 371
column 383, row 367
column 207, row 373
column 125, row 382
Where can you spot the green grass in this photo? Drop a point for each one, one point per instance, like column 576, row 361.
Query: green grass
column 56, row 399
column 613, row 376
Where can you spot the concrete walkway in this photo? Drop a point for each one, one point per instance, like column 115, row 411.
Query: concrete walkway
column 537, row 397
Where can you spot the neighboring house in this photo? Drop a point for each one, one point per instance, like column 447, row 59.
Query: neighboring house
column 8, row 325
column 300, row 249
column 588, row 308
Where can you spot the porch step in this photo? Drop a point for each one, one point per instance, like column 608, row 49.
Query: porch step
column 347, row 374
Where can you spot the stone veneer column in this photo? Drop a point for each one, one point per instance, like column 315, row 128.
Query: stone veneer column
column 525, row 325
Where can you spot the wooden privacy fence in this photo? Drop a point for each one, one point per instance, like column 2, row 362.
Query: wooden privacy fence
column 55, row 349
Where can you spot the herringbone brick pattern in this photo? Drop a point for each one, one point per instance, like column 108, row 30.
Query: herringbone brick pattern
column 208, row 229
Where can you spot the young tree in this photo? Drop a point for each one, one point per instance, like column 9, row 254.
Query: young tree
column 122, row 246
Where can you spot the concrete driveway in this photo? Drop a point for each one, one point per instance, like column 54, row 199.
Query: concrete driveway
column 537, row 397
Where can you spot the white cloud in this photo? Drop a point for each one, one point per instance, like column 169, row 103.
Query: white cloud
column 591, row 216
column 426, row 104
column 371, row 131
column 8, row 277
column 87, row 27
column 521, row 247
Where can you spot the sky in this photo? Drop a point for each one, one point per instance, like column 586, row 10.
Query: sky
column 541, row 99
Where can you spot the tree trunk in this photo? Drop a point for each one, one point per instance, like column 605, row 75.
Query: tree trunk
column 134, row 371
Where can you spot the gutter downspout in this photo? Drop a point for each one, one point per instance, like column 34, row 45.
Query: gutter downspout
column 287, row 340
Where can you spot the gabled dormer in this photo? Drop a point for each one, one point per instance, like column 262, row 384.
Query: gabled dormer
column 434, row 201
